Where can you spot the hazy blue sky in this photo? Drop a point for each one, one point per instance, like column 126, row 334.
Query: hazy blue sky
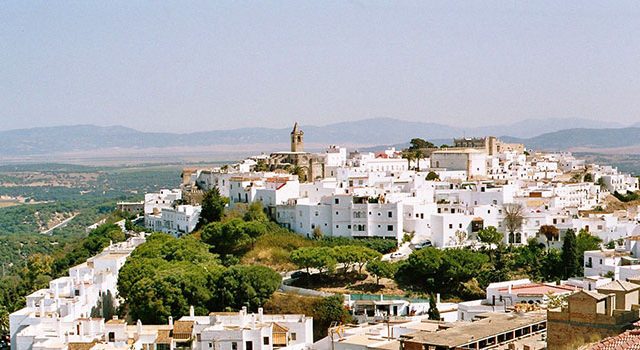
column 186, row 65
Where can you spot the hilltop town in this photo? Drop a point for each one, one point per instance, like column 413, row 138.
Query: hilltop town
column 496, row 247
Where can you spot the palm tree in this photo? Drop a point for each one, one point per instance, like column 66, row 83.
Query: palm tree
column 418, row 154
column 409, row 156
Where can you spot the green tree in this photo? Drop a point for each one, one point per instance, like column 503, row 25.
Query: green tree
column 299, row 171
column 255, row 212
column 261, row 165
column 105, row 307
column 418, row 143
column 570, row 254
column 490, row 236
column 328, row 310
column 434, row 313
column 165, row 275
column 38, row 265
column 212, row 207
column 418, row 154
column 4, row 320
column 244, row 285
column 409, row 155
column 584, row 242
column 364, row 255
column 320, row 258
column 552, row 268
column 232, row 236
column 431, row 176
column 445, row 271
column 381, row 269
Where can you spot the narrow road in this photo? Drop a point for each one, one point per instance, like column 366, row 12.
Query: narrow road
column 62, row 224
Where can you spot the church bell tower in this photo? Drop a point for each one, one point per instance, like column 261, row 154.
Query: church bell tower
column 297, row 141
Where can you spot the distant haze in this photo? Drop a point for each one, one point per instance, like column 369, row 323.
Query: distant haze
column 171, row 66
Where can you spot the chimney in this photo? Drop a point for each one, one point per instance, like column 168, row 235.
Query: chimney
column 260, row 313
column 139, row 327
column 509, row 290
column 192, row 311
column 438, row 298
column 42, row 308
column 243, row 312
column 171, row 321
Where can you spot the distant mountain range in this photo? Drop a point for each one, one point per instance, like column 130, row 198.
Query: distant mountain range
column 583, row 138
column 535, row 133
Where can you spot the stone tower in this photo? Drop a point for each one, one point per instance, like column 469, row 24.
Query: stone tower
column 297, row 142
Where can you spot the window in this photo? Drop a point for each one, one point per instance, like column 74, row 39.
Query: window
column 390, row 214
column 234, row 346
column 112, row 337
column 336, row 201
column 210, row 345
column 349, row 227
column 336, row 213
column 293, row 336
column 265, row 340
column 389, row 227
column 459, row 225
column 248, row 345
column 450, row 225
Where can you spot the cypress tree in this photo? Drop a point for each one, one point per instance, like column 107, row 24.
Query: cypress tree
column 434, row 313
column 570, row 254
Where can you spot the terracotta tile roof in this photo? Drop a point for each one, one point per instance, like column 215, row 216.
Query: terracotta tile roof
column 81, row 346
column 537, row 289
column 594, row 295
column 621, row 286
column 182, row 330
column 164, row 336
column 118, row 321
column 279, row 329
column 629, row 340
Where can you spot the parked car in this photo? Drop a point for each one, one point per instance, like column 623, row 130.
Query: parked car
column 299, row 274
column 423, row 245
column 397, row 255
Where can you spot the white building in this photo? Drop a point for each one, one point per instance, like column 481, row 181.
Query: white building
column 155, row 202
column 473, row 161
column 59, row 314
column 177, row 221
column 248, row 331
